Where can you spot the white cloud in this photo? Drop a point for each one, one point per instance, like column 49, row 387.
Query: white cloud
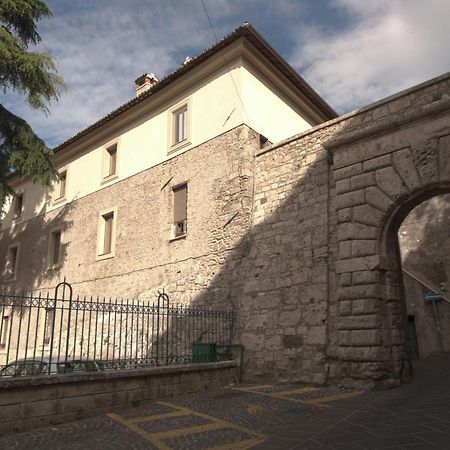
column 388, row 46
column 100, row 47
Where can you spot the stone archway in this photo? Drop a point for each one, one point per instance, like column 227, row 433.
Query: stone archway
column 391, row 278
column 380, row 175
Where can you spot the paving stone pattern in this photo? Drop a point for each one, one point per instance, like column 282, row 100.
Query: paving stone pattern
column 414, row 416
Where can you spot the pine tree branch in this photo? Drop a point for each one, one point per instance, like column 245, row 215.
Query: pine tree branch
column 22, row 153
column 20, row 17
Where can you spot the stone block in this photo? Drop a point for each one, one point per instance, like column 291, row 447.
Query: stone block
column 345, row 249
column 425, row 155
column 75, row 404
column 317, row 335
column 365, row 306
column 347, row 172
column 345, row 279
column 345, row 215
column 343, row 186
column 292, row 341
column 40, row 408
column 378, row 198
column 9, row 412
column 362, row 181
column 360, row 322
column 273, row 343
column 444, row 158
column 365, row 338
column 405, row 167
column 344, row 337
column 357, row 264
column 364, row 247
column 364, row 277
column 368, row 215
column 389, row 181
column 356, row 292
column 350, row 199
column 399, row 104
column 362, row 353
column 349, row 230
column 377, row 163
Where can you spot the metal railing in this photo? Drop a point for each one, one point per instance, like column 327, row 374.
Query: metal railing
column 60, row 333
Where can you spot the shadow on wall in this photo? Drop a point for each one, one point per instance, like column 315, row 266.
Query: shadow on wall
column 299, row 315
column 41, row 253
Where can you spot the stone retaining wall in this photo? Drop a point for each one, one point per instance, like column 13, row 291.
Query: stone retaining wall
column 30, row 402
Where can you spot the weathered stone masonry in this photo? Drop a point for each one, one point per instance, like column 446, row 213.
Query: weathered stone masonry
column 219, row 174
column 328, row 203
column 300, row 237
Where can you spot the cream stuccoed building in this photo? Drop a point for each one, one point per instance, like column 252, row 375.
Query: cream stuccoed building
column 232, row 182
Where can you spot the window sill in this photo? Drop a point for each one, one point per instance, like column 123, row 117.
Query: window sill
column 58, row 201
column 105, row 256
column 177, row 238
column 54, row 267
column 178, row 146
column 109, row 179
column 9, row 280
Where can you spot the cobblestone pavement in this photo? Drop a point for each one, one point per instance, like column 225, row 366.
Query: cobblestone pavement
column 415, row 416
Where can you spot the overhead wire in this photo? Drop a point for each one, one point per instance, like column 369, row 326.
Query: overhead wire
column 225, row 61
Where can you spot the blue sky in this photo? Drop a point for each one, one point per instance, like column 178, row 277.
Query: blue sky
column 352, row 52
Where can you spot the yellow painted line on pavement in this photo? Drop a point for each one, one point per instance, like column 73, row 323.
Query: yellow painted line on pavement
column 159, row 416
column 214, row 423
column 289, row 392
column 278, row 397
column 332, row 398
column 147, row 436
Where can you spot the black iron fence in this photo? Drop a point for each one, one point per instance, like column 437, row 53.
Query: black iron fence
column 62, row 333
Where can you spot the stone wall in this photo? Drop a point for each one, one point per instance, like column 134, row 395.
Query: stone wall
column 301, row 239
column 322, row 293
column 219, row 175
column 41, row 401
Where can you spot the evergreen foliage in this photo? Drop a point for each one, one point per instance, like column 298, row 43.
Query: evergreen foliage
column 32, row 74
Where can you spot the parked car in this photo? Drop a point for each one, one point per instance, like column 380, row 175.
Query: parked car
column 27, row 367
column 78, row 365
column 23, row 367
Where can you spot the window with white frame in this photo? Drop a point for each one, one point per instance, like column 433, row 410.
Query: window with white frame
column 17, row 206
column 12, row 262
column 180, row 210
column 61, row 185
column 109, row 169
column 49, row 319
column 106, row 233
column 180, row 125
column 54, row 250
column 4, row 331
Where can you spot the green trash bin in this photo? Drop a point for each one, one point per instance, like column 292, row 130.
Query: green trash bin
column 204, row 353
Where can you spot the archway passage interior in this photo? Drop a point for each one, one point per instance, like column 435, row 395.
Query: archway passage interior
column 424, row 241
column 418, row 243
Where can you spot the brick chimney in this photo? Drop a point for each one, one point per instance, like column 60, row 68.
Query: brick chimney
column 145, row 82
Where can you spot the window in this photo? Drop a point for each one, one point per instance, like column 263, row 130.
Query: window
column 54, row 251
column 49, row 318
column 17, row 206
column 4, row 331
column 180, row 210
column 106, row 234
column 60, row 188
column 179, row 126
column 109, row 161
column 12, row 261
